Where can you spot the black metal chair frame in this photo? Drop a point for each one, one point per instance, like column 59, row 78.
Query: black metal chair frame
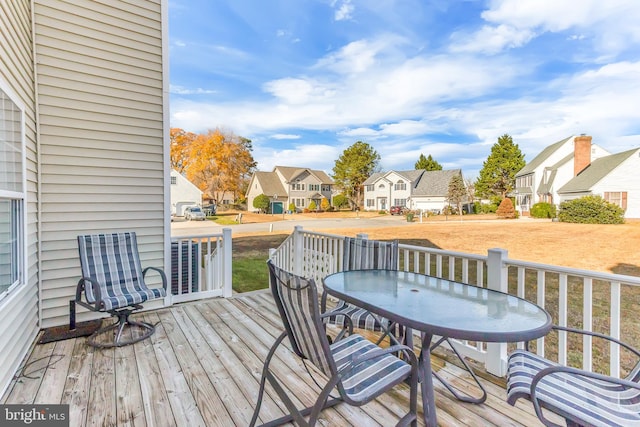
column 325, row 399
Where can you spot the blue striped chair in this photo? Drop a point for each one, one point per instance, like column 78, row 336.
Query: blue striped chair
column 363, row 254
column 358, row 369
column 581, row 397
column 113, row 282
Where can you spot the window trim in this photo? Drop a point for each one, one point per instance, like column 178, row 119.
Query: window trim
column 21, row 196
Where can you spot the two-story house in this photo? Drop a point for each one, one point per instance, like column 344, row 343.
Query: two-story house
column 414, row 189
column 290, row 185
column 574, row 167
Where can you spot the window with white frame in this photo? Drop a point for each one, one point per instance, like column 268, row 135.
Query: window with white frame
column 400, row 185
column 371, row 203
column 12, row 194
column 369, row 187
column 618, row 198
column 399, row 202
column 174, row 180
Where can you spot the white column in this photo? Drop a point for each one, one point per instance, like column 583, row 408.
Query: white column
column 227, row 260
column 497, row 277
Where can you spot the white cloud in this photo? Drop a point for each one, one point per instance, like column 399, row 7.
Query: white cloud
column 611, row 24
column 285, row 136
column 491, row 40
column 181, row 90
column 343, row 11
column 315, row 156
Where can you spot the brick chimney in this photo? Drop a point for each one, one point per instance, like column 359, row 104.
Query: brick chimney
column 581, row 153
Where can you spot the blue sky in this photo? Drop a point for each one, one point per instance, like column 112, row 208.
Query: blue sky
column 305, row 79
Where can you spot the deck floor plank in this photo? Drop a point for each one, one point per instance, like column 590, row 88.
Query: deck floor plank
column 129, row 402
column 209, row 403
column 237, row 361
column 155, row 401
column 31, row 374
column 183, row 405
column 202, row 367
column 55, row 377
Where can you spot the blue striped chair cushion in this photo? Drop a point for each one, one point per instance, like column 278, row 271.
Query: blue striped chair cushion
column 360, row 317
column 112, row 261
column 374, row 376
column 595, row 402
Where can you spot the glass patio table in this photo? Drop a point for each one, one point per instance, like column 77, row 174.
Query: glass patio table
column 439, row 307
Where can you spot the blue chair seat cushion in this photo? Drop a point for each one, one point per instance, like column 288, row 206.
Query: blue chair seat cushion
column 360, row 317
column 588, row 401
column 137, row 296
column 374, row 376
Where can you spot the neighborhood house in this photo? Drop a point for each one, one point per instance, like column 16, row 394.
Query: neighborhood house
column 183, row 193
column 287, row 185
column 418, row 190
column 575, row 167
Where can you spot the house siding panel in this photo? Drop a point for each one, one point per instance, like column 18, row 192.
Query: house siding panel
column 19, row 310
column 624, row 178
column 100, row 85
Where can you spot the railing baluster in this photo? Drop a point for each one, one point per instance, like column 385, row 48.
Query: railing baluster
column 540, row 300
column 587, row 324
column 614, row 369
column 452, row 268
column 562, row 319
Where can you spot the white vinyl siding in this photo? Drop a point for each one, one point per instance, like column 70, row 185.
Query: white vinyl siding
column 19, row 309
column 100, row 86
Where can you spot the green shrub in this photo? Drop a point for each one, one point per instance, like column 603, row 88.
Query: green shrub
column 292, row 207
column 590, row 210
column 484, row 208
column 340, row 201
column 313, row 206
column 262, row 202
column 543, row 210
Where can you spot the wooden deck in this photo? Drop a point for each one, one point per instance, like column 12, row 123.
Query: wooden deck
column 202, row 368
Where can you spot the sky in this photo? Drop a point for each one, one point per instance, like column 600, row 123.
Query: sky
column 306, row 79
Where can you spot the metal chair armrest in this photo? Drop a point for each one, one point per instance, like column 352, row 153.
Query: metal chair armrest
column 346, row 328
column 572, row 371
column 163, row 276
column 96, row 293
column 598, row 335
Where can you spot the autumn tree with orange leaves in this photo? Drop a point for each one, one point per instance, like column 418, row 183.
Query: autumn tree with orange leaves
column 217, row 162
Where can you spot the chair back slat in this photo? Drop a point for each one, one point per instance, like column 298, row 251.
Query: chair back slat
column 297, row 301
column 365, row 254
column 112, row 260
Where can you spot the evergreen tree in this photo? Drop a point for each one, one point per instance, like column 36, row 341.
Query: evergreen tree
column 497, row 176
column 457, row 192
column 353, row 167
column 427, row 163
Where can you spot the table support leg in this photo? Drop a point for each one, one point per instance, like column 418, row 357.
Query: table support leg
column 426, row 382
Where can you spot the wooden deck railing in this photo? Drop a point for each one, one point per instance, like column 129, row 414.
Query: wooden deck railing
column 568, row 294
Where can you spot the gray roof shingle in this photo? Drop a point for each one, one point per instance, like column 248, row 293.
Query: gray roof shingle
column 597, row 170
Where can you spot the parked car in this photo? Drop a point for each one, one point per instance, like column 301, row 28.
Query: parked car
column 398, row 210
column 194, row 213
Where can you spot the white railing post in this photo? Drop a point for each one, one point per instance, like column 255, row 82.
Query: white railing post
column 298, row 250
column 227, row 259
column 497, row 276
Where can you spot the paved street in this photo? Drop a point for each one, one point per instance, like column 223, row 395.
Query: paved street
column 180, row 227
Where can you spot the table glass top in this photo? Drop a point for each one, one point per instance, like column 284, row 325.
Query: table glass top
column 440, row 306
